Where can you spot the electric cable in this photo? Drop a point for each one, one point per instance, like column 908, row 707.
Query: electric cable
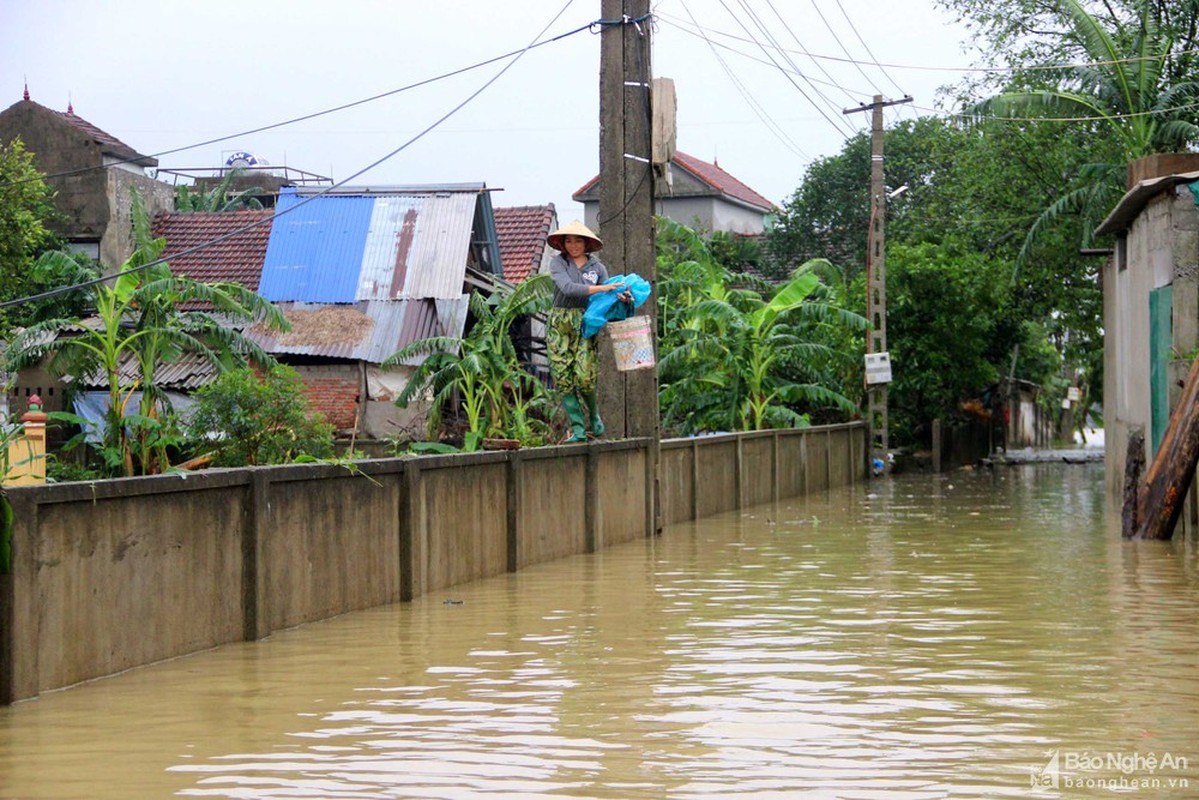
column 819, row 65
column 750, row 100
column 858, row 34
column 831, row 120
column 237, row 232
column 306, row 117
column 679, row 22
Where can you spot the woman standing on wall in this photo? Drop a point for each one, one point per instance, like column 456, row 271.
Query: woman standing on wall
column 578, row 273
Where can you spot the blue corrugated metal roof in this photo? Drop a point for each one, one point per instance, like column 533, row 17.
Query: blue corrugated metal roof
column 315, row 251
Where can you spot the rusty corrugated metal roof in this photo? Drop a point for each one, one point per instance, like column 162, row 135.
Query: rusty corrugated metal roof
column 370, row 330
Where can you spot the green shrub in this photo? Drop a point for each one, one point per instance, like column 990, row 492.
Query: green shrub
column 247, row 419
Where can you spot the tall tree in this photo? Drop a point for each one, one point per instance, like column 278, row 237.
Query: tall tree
column 1126, row 89
column 25, row 214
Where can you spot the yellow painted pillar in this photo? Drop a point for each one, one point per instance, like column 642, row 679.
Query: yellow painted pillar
column 27, row 451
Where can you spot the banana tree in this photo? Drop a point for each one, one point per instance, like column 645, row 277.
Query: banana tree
column 482, row 368
column 136, row 328
column 219, row 198
column 734, row 365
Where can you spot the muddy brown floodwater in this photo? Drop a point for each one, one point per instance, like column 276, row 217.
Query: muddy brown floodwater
column 978, row 635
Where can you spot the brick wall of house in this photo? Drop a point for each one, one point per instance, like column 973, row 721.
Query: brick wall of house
column 333, row 391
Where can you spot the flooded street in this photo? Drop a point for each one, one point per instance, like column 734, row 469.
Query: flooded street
column 977, row 635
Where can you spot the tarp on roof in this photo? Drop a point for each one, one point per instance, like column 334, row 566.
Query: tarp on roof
column 345, row 248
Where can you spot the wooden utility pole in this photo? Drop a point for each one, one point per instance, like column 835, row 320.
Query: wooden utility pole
column 628, row 400
column 876, row 284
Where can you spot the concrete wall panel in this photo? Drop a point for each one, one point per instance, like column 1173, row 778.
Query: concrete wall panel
column 467, row 526
column 622, row 496
column 331, row 546
column 124, row 582
column 116, row 574
column 758, row 474
column 553, row 500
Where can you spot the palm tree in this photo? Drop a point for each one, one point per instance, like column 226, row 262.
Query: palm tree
column 1125, row 91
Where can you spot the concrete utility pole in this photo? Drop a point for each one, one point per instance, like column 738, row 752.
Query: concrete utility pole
column 628, row 400
column 878, row 366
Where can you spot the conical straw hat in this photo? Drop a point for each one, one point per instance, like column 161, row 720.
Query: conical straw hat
column 574, row 228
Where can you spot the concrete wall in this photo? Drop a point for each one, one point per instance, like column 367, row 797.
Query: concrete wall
column 115, row 574
column 738, row 470
column 1161, row 248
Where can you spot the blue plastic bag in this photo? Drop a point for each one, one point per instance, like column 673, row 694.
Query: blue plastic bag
column 607, row 306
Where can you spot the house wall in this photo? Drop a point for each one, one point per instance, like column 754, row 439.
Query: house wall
column 116, row 240
column 94, row 201
column 333, row 390
column 1161, row 249
column 706, row 213
column 59, row 147
column 114, row 574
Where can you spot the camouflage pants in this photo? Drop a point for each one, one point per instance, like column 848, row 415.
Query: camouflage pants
column 572, row 358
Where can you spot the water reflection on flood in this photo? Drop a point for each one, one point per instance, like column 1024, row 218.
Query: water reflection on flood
column 980, row 635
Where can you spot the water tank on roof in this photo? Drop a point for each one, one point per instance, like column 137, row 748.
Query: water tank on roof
column 241, row 159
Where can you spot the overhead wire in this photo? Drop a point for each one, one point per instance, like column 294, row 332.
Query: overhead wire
column 940, row 112
column 831, row 120
column 749, row 98
column 679, row 22
column 306, row 117
column 518, row 54
column 748, row 56
column 873, row 58
column 795, row 36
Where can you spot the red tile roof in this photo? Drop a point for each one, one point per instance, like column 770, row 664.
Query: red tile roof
column 720, row 180
column 237, row 259
column 522, row 231
column 710, row 175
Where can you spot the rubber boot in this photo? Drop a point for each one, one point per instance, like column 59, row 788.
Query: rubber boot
column 574, row 413
column 597, row 424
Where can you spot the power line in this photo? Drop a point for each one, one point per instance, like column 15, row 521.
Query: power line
column 752, row 101
column 856, row 33
column 237, row 232
column 756, row 59
column 678, row 22
column 785, row 73
column 801, row 45
column 766, row 31
column 836, row 38
column 313, row 115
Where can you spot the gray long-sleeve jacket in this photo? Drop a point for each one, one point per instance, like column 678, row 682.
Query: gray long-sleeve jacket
column 571, row 282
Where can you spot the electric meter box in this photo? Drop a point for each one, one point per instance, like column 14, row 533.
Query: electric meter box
column 878, row 368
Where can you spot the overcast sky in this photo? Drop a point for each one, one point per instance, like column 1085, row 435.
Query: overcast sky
column 165, row 74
